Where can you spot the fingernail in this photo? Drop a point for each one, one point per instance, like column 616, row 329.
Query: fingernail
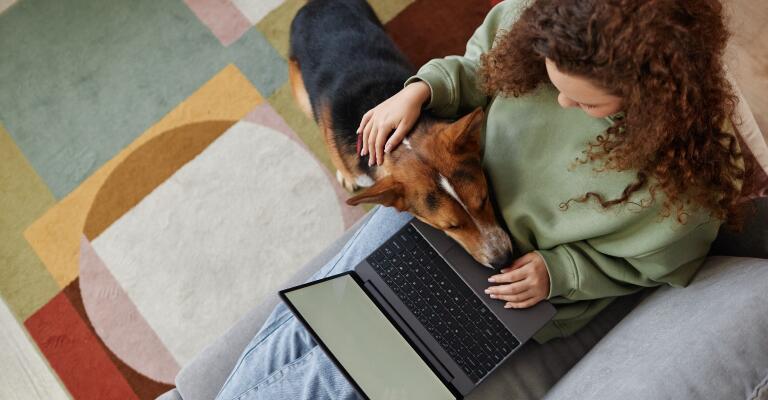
column 503, row 270
column 487, row 290
column 491, row 280
column 507, row 305
column 386, row 149
column 493, row 296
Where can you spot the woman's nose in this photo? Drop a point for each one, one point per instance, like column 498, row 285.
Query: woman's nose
column 565, row 101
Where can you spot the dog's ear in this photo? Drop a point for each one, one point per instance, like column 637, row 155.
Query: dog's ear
column 466, row 132
column 386, row 192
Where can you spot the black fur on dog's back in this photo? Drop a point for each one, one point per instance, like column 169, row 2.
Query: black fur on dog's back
column 347, row 61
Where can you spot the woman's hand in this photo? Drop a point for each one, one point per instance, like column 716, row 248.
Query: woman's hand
column 528, row 282
column 399, row 113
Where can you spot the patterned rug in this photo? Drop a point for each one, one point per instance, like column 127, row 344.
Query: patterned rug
column 157, row 180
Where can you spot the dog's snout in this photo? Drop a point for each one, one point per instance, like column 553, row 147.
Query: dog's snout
column 503, row 261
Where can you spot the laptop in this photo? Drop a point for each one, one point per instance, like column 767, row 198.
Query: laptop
column 412, row 321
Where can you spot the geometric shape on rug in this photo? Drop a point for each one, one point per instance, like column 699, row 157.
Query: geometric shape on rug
column 283, row 101
column 221, row 233
column 144, row 387
column 55, row 235
column 146, row 168
column 25, row 284
column 265, row 115
column 26, row 375
column 420, row 29
column 276, row 25
column 75, row 353
column 388, row 9
column 225, row 21
column 118, row 323
column 256, row 10
column 4, row 4
column 300, row 126
column 101, row 72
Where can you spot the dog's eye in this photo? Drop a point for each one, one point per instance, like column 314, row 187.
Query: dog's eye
column 453, row 227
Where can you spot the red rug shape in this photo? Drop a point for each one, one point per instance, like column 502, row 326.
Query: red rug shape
column 75, row 353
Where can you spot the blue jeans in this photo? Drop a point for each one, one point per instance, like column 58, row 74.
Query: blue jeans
column 283, row 361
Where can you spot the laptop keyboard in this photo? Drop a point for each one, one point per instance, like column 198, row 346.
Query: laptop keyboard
column 442, row 302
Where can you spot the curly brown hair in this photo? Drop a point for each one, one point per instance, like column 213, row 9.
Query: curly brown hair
column 664, row 59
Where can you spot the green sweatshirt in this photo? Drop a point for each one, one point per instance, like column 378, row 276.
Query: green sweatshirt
column 592, row 254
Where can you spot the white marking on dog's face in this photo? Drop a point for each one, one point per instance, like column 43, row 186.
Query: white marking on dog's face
column 451, row 191
column 364, row 181
column 494, row 238
column 407, row 144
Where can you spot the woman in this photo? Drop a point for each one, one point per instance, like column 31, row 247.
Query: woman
column 605, row 141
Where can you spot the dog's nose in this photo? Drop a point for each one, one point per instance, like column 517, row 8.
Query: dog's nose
column 504, row 261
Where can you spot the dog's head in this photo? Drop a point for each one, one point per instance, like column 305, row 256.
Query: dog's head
column 436, row 174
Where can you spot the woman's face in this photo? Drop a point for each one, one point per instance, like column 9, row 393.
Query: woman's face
column 580, row 92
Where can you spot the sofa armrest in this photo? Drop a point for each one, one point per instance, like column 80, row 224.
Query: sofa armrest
column 707, row 340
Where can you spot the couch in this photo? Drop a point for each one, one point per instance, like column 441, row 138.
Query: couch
column 706, row 341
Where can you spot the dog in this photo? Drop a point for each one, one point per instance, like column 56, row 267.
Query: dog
column 342, row 63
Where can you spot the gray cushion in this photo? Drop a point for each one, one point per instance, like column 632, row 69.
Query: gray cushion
column 535, row 368
column 706, row 341
column 204, row 376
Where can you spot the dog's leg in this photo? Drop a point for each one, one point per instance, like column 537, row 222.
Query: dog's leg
column 344, row 175
column 297, row 87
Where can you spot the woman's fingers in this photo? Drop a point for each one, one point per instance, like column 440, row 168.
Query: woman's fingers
column 509, row 276
column 514, row 298
column 366, row 117
column 380, row 140
column 509, row 289
column 397, row 137
column 366, row 136
column 372, row 144
column 530, row 302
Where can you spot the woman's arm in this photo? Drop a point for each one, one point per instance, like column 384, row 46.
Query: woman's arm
column 452, row 89
column 621, row 263
column 647, row 254
column 453, row 79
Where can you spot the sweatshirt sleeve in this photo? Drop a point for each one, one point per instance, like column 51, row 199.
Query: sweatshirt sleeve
column 453, row 80
column 643, row 255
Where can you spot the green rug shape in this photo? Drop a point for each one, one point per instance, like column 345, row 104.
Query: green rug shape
column 82, row 79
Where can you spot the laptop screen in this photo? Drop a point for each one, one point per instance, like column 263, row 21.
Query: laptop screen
column 365, row 342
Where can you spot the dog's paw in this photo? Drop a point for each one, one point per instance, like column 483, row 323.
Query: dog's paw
column 346, row 183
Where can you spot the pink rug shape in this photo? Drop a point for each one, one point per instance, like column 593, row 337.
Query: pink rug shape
column 117, row 321
column 223, row 18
